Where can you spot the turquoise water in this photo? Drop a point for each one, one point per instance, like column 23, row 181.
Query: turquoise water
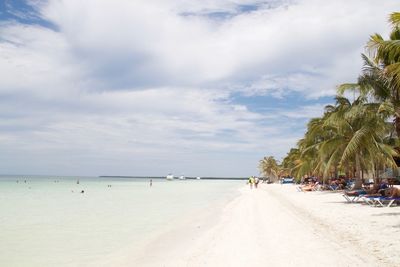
column 49, row 223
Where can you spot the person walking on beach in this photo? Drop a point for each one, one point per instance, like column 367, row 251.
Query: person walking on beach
column 151, row 182
column 251, row 182
column 256, row 181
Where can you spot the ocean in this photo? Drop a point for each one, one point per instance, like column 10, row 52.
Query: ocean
column 47, row 221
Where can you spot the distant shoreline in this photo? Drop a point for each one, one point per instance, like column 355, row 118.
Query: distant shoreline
column 162, row 177
column 28, row 176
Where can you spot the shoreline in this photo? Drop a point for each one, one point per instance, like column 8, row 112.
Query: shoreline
column 176, row 178
column 277, row 226
column 184, row 229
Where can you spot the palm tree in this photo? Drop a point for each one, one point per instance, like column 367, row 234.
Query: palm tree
column 351, row 136
column 357, row 137
column 269, row 167
column 290, row 162
column 309, row 160
column 381, row 74
column 387, row 52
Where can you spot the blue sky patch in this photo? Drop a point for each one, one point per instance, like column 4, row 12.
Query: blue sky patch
column 22, row 12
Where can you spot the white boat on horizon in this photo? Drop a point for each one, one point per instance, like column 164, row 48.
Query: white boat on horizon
column 182, row 177
column 170, row 176
column 198, row 178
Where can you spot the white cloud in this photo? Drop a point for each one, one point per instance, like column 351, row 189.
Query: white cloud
column 308, row 112
column 141, row 86
column 154, row 38
column 169, row 125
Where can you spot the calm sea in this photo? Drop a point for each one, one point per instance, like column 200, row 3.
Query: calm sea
column 46, row 221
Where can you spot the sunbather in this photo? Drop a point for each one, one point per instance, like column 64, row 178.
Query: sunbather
column 388, row 195
column 309, row 187
column 374, row 190
column 341, row 183
column 355, row 192
column 393, row 192
column 383, row 184
column 374, row 195
column 334, row 184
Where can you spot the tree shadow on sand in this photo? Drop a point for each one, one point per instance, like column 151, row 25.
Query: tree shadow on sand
column 345, row 202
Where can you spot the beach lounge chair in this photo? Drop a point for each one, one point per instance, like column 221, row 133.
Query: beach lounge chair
column 350, row 185
column 354, row 195
column 353, row 199
column 381, row 201
column 333, row 187
column 309, row 187
column 370, row 200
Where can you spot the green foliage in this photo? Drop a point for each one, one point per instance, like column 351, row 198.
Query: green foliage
column 350, row 135
column 355, row 136
column 269, row 167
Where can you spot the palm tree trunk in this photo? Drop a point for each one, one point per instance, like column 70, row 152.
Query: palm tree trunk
column 358, row 167
column 358, row 182
column 397, row 125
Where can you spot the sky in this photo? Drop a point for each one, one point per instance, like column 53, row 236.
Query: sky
column 199, row 88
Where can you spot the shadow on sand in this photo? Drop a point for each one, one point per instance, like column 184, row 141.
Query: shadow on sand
column 388, row 214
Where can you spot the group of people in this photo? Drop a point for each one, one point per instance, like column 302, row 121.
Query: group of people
column 379, row 189
column 351, row 188
column 253, row 182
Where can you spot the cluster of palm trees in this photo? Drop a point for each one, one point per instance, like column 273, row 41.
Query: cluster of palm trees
column 355, row 136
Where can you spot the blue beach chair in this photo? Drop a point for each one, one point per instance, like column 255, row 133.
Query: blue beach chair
column 381, row 201
column 356, row 197
column 370, row 200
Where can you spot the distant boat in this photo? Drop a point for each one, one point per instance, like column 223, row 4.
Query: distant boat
column 198, row 178
column 182, row 177
column 170, row 177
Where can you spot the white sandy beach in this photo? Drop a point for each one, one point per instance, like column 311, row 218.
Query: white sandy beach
column 277, row 226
